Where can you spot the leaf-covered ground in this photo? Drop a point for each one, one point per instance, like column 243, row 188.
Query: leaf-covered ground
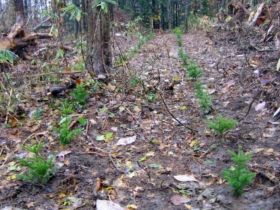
column 151, row 102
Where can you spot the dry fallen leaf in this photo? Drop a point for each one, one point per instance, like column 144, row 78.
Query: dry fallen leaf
column 62, row 154
column 185, row 178
column 126, row 141
column 107, row 205
column 29, row 205
column 260, row 106
column 176, row 200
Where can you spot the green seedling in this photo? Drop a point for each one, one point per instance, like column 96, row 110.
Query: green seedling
column 151, row 97
column 238, row 175
column 183, row 56
column 195, row 73
column 179, row 41
column 108, row 136
column 154, row 141
column 37, row 114
column 149, row 37
column 82, row 121
column 221, row 125
column 134, row 81
column 132, row 52
column 40, row 168
column 6, row 56
column 192, row 66
column 205, row 102
column 80, row 94
column 121, row 60
column 94, row 84
column 177, row 32
column 198, row 90
column 67, row 108
column 64, row 133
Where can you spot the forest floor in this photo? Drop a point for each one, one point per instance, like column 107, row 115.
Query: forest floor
column 140, row 105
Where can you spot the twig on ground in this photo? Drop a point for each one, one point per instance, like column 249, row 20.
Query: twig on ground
column 110, row 156
column 250, row 105
column 192, row 130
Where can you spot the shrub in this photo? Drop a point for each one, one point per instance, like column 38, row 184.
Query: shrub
column 40, row 168
column 221, row 125
column 238, row 175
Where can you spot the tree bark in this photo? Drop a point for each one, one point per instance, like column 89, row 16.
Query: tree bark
column 98, row 58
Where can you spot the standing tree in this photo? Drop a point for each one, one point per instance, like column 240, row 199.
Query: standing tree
column 99, row 55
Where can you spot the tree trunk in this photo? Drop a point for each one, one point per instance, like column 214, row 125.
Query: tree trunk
column 169, row 9
column 98, row 58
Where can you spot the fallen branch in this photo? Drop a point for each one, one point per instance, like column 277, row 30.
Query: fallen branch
column 192, row 130
column 50, row 73
column 259, row 11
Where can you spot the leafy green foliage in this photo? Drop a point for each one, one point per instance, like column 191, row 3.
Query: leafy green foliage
column 67, row 108
column 80, row 94
column 239, row 176
column 121, row 60
column 40, row 168
column 37, row 114
column 177, row 31
column 221, row 124
column 151, row 97
column 134, row 81
column 179, row 41
column 195, row 73
column 60, row 53
column 103, row 5
column 82, row 121
column 6, row 56
column 74, row 11
column 205, row 102
column 64, row 133
column 183, row 56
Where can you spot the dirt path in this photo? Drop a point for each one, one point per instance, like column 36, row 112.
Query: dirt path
column 142, row 173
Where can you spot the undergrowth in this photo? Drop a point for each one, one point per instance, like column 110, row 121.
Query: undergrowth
column 40, row 168
column 238, row 175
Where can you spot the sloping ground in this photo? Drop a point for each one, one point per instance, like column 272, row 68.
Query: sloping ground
column 147, row 99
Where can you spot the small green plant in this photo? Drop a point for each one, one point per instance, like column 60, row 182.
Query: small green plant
column 177, row 31
column 82, row 121
column 221, row 125
column 151, row 97
column 192, row 66
column 183, row 56
column 67, row 108
column 204, row 101
column 80, row 94
column 133, row 52
column 121, row 60
column 6, row 56
column 64, row 133
column 40, row 168
column 109, row 136
column 37, row 114
column 198, row 86
column 195, row 73
column 134, row 81
column 238, row 175
column 179, row 41
column 149, row 37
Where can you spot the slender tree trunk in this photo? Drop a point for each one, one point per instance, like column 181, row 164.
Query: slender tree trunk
column 169, row 12
column 19, row 10
column 186, row 16
column 98, row 58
